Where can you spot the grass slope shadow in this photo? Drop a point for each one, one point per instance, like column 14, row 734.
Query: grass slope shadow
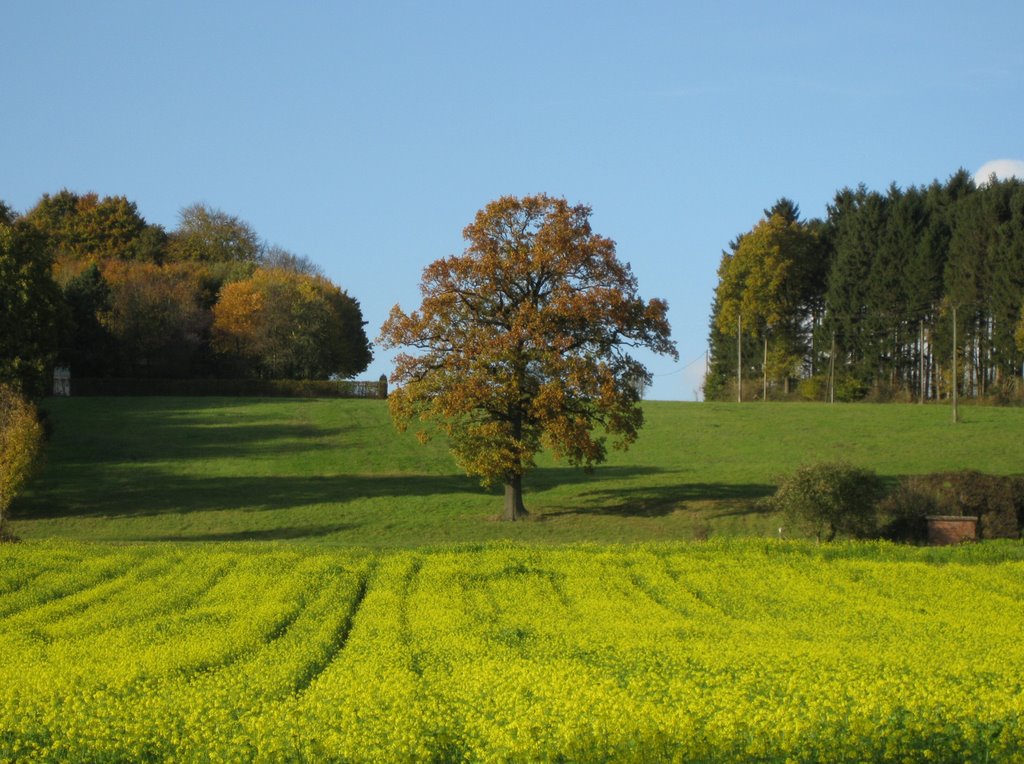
column 639, row 492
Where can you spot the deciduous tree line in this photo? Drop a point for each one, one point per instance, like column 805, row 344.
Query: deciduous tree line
column 872, row 300
column 87, row 282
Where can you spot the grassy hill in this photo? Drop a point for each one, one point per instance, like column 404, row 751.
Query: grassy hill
column 335, row 471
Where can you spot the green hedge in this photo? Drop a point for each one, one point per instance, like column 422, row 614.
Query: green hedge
column 997, row 501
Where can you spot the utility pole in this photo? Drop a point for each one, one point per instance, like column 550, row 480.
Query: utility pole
column 832, row 371
column 956, row 412
column 764, row 370
column 707, row 370
column 739, row 358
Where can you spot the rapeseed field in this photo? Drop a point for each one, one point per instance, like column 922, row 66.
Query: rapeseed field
column 743, row 650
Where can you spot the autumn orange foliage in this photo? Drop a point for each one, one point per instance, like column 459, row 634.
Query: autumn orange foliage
column 524, row 343
column 291, row 325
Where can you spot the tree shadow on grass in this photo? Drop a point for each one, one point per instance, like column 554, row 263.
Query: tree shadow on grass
column 263, row 534
column 143, row 491
column 165, row 429
column 140, row 490
column 187, row 441
column 116, row 489
column 548, row 478
column 661, row 500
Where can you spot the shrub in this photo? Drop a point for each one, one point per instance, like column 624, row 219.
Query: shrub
column 830, row 498
column 997, row 502
column 847, row 389
column 21, row 439
column 883, row 392
column 1017, row 489
column 850, row 389
column 903, row 513
column 1007, row 392
column 813, row 388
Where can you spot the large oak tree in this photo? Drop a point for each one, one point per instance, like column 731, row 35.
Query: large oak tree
column 524, row 342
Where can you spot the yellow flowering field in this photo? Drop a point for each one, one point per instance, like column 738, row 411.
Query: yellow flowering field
column 745, row 650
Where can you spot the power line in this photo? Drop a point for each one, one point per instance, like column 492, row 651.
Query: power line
column 681, row 369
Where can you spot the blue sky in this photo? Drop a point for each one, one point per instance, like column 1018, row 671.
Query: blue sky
column 366, row 135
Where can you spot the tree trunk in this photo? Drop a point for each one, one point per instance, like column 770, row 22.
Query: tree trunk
column 514, row 508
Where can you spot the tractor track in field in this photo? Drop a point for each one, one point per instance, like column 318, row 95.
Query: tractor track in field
column 408, row 585
column 340, row 639
column 76, row 597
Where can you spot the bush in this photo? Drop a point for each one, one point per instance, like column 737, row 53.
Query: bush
column 830, row 498
column 883, row 392
column 997, row 502
column 21, row 439
column 1007, row 392
column 850, row 389
column 847, row 389
column 813, row 388
column 903, row 513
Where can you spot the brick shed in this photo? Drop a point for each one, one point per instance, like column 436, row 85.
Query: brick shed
column 951, row 529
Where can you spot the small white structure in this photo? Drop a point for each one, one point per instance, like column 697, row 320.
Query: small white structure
column 62, row 381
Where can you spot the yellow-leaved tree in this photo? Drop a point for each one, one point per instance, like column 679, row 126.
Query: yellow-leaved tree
column 524, row 342
column 287, row 325
column 21, row 439
column 763, row 288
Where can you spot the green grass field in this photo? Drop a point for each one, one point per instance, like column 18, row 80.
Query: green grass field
column 335, row 471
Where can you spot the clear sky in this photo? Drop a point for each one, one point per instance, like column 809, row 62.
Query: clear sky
column 365, row 135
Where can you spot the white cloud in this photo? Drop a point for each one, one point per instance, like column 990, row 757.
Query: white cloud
column 1003, row 169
